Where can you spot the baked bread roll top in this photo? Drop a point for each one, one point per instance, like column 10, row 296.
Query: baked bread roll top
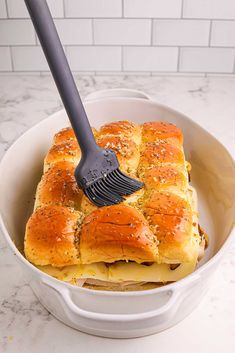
column 51, row 236
column 158, row 130
column 65, row 151
column 126, row 151
column 114, row 233
column 123, row 128
column 156, row 224
column 59, row 187
column 170, row 219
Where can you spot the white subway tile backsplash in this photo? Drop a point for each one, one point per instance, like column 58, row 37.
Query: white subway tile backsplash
column 13, row 32
column 84, row 73
column 29, row 59
column 218, row 75
column 213, row 9
column 181, row 32
column 94, row 58
column 120, row 73
column 73, row 31
column 3, row 10
column 5, row 61
column 150, row 59
column 223, row 34
column 152, row 8
column 125, row 36
column 20, row 73
column 17, row 8
column 207, row 60
column 56, row 7
column 122, row 31
column 93, row 8
column 178, row 74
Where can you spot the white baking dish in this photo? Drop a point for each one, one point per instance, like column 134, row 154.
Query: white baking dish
column 125, row 314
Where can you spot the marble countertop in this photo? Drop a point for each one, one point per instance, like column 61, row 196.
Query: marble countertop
column 25, row 326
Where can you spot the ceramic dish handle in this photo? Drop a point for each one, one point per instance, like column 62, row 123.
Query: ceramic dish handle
column 161, row 314
column 116, row 93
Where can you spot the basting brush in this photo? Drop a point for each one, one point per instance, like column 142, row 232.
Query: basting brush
column 98, row 172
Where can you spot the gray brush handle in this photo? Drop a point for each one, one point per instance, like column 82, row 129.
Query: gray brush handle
column 53, row 50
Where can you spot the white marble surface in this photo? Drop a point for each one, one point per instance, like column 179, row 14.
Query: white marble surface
column 25, row 326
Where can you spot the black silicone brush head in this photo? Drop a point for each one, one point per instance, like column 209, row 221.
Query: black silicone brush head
column 99, row 176
column 110, row 190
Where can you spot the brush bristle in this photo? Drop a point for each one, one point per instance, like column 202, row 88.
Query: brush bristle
column 110, row 189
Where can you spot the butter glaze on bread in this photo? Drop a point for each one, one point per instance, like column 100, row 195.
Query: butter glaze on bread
column 117, row 232
column 158, row 153
column 65, row 151
column 165, row 177
column 122, row 128
column 51, row 236
column 126, row 151
column 158, row 130
column 157, row 225
column 66, row 135
column 170, row 218
column 59, row 187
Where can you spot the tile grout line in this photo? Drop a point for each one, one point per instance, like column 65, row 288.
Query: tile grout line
column 128, row 45
column 178, row 60
column 233, row 64
column 129, row 18
column 151, row 34
column 122, row 59
column 64, row 17
column 92, row 32
column 182, row 9
column 210, row 32
column 119, row 73
column 36, row 38
column 7, row 11
column 12, row 62
column 123, row 9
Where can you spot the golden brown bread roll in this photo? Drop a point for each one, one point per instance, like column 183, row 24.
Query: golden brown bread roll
column 67, row 134
column 126, row 151
column 65, row 151
column 123, row 128
column 157, row 224
column 167, row 203
column 64, row 135
column 159, row 153
column 173, row 234
column 59, row 187
column 165, row 177
column 117, row 232
column 87, row 206
column 170, row 218
column 52, row 235
column 158, row 130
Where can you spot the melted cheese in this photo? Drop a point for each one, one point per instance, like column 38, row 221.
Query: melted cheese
column 131, row 271
column 122, row 271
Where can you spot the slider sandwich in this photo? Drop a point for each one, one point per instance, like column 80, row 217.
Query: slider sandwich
column 150, row 239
